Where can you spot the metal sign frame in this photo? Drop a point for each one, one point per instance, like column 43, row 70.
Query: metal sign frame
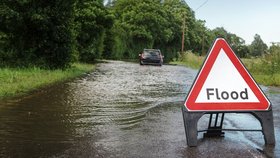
column 191, row 120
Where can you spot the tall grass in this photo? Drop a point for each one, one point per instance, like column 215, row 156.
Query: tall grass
column 16, row 81
column 265, row 70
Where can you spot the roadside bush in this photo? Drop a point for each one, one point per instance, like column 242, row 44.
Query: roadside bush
column 39, row 33
column 272, row 60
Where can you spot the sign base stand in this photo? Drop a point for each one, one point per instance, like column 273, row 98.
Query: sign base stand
column 215, row 125
column 191, row 119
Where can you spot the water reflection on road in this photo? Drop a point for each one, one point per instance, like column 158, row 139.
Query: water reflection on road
column 122, row 110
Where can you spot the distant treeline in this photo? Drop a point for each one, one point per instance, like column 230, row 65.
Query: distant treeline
column 54, row 33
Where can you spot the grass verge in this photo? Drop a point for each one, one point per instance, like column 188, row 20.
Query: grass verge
column 263, row 71
column 17, row 81
column 189, row 59
column 260, row 69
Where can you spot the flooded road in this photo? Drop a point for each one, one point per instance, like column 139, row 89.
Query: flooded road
column 123, row 110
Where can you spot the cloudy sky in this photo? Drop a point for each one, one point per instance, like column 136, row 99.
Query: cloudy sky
column 244, row 18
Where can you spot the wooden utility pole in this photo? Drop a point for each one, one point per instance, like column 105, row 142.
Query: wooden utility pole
column 202, row 49
column 183, row 34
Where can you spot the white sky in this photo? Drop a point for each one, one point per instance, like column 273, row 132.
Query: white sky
column 245, row 18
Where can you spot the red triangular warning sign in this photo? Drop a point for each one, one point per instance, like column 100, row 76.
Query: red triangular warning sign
column 224, row 84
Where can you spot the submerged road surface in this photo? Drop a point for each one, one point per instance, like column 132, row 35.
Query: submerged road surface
column 123, row 110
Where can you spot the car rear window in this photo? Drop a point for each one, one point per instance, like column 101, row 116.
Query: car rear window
column 151, row 53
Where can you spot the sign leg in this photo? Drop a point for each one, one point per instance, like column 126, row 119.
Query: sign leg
column 190, row 123
column 266, row 120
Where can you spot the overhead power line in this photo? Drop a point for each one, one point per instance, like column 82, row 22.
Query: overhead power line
column 201, row 5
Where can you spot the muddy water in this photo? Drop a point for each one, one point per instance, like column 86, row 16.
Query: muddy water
column 123, row 110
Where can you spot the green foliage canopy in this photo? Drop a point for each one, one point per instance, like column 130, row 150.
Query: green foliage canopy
column 91, row 19
column 37, row 33
column 149, row 24
column 237, row 43
column 52, row 34
column 258, row 47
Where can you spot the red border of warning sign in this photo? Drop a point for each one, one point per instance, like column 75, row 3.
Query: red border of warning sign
column 190, row 103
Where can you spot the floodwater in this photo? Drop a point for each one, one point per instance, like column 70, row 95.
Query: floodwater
column 123, row 110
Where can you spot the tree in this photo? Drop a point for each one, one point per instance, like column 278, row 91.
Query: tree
column 257, row 47
column 38, row 33
column 181, row 20
column 236, row 42
column 199, row 37
column 149, row 24
column 92, row 20
column 144, row 22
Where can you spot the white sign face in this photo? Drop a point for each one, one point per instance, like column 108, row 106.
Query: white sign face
column 224, row 84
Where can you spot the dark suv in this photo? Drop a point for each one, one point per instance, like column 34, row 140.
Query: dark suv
column 151, row 56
